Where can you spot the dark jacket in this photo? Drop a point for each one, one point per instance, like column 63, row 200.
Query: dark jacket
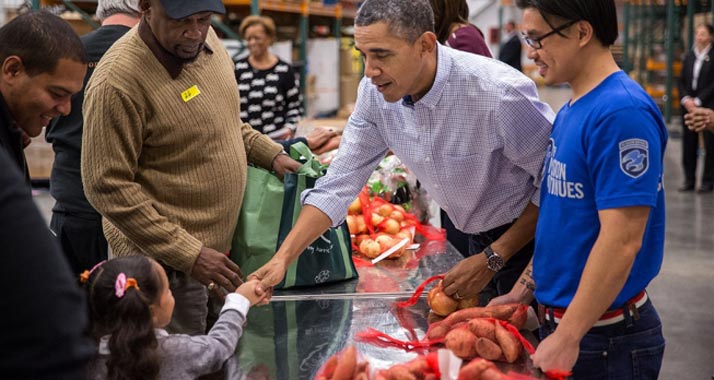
column 511, row 53
column 11, row 140
column 705, row 83
column 44, row 314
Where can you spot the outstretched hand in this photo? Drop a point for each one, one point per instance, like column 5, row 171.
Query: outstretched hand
column 270, row 274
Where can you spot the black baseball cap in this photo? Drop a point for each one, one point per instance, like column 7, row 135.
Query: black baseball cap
column 178, row 9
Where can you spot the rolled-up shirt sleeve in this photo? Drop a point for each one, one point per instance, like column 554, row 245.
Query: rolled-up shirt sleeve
column 361, row 149
column 523, row 120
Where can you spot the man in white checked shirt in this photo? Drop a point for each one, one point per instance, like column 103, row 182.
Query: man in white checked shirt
column 471, row 128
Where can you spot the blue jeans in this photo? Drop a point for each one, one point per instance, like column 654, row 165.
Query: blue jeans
column 628, row 350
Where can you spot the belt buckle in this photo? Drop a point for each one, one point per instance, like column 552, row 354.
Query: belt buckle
column 634, row 311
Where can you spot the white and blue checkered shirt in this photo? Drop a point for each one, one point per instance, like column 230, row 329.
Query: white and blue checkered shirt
column 475, row 141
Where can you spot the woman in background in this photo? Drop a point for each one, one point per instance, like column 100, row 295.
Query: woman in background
column 270, row 97
column 451, row 21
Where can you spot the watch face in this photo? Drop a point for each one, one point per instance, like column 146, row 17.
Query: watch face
column 495, row 262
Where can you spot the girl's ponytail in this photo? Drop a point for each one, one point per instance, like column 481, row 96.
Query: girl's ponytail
column 120, row 294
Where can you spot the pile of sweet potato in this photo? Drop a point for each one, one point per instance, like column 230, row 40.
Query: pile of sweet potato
column 480, row 369
column 344, row 366
column 514, row 314
column 417, row 369
column 420, row 369
column 478, row 331
column 485, row 338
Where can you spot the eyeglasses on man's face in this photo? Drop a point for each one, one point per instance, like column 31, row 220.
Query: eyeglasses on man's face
column 536, row 42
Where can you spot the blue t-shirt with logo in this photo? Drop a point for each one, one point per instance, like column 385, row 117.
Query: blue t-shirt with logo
column 605, row 152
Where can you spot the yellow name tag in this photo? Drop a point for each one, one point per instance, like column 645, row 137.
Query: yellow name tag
column 190, row 93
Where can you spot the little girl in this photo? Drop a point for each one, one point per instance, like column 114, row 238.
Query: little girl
column 130, row 302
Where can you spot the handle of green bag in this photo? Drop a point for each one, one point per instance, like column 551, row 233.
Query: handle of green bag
column 312, row 167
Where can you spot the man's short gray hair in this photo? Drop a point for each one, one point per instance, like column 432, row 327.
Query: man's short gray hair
column 407, row 19
column 106, row 8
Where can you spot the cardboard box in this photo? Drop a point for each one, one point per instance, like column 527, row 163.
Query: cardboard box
column 348, row 89
column 323, row 65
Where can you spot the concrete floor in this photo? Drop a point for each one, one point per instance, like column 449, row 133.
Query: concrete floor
column 683, row 290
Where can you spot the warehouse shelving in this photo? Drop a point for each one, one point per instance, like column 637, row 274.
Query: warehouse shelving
column 334, row 13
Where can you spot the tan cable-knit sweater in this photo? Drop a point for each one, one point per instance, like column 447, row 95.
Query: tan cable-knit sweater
column 168, row 176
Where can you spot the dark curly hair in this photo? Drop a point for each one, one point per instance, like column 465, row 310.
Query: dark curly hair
column 132, row 344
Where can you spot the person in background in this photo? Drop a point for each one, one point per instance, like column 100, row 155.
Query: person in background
column 696, row 87
column 43, row 65
column 270, row 90
column 44, row 316
column 700, row 119
column 270, row 98
column 76, row 224
column 165, row 154
column 600, row 234
column 452, row 26
column 130, row 304
column 511, row 49
column 432, row 105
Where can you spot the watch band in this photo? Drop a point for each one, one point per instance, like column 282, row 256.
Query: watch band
column 494, row 261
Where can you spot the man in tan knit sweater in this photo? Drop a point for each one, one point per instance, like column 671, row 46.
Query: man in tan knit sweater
column 164, row 151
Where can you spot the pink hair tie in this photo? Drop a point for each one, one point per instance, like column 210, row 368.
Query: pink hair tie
column 123, row 283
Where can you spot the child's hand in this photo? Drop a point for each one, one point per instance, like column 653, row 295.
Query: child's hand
column 254, row 291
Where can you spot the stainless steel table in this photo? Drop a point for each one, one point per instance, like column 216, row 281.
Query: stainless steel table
column 291, row 338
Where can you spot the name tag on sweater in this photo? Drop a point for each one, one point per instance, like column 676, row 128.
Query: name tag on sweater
column 190, row 93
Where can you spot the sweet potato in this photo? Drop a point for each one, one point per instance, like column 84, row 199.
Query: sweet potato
column 510, row 345
column 483, row 328
column 418, row 365
column 329, row 367
column 502, row 312
column 362, row 367
column 467, row 303
column 401, row 372
column 488, row 349
column 346, row 364
column 382, row 375
column 492, row 374
column 439, row 329
column 474, row 369
column 461, row 342
column 519, row 316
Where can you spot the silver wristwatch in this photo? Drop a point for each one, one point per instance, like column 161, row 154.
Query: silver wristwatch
column 494, row 261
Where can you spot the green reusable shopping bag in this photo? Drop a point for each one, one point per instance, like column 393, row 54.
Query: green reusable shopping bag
column 255, row 237
column 262, row 227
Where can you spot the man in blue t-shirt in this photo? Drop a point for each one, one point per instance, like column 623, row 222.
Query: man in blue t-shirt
column 600, row 233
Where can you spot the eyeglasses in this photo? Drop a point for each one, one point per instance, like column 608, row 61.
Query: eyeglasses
column 535, row 42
